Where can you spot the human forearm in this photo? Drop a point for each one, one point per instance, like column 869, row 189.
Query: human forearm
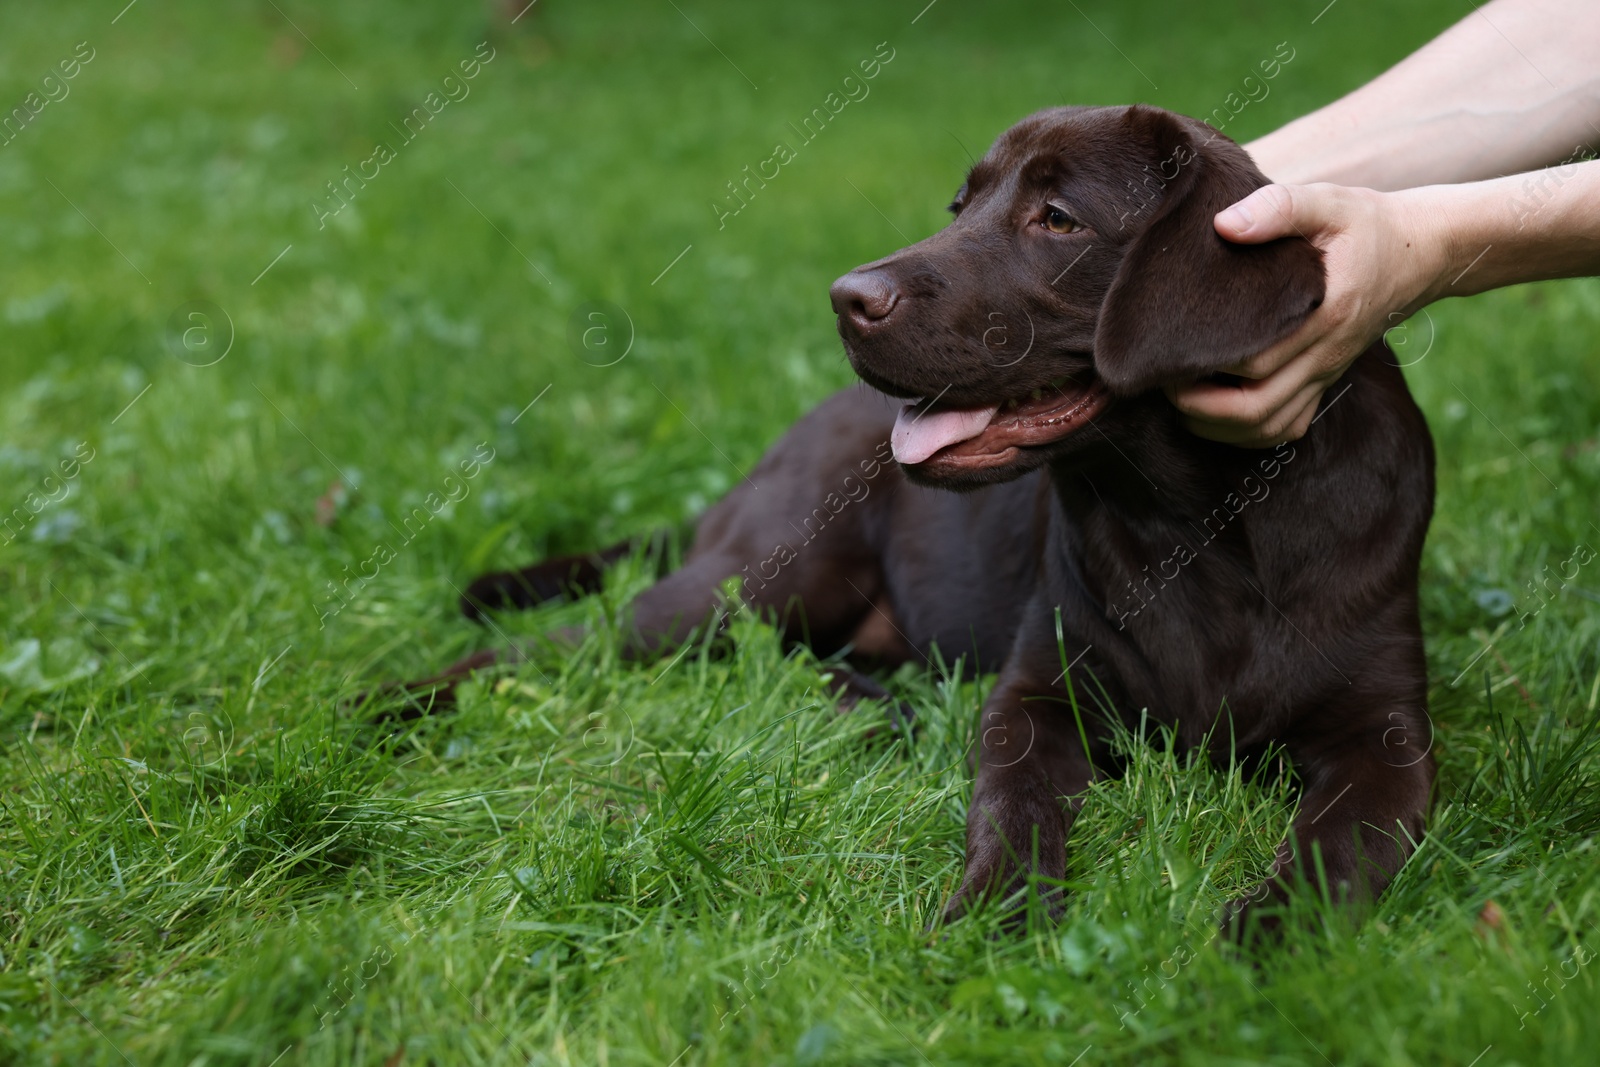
column 1512, row 86
column 1523, row 228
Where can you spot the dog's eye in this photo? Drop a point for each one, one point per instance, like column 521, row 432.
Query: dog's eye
column 1058, row 221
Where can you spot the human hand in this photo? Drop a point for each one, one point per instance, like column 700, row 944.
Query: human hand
column 1378, row 271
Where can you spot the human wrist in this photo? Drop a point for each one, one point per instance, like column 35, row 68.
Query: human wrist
column 1460, row 225
column 1429, row 222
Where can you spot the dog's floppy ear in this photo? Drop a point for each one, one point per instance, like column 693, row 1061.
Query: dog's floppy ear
column 1185, row 302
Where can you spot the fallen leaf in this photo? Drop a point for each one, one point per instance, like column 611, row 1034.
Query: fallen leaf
column 286, row 50
column 329, row 503
column 1491, row 920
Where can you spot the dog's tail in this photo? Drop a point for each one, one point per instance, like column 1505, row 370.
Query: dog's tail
column 549, row 579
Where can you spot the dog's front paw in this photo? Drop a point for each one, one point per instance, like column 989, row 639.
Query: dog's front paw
column 1016, row 847
column 980, row 888
column 995, row 878
column 1013, row 892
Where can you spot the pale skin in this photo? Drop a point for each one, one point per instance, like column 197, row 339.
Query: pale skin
column 1418, row 211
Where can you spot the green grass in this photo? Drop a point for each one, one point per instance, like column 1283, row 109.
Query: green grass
column 204, row 860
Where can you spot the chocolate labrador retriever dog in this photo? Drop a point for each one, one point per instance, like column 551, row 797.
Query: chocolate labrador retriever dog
column 1031, row 501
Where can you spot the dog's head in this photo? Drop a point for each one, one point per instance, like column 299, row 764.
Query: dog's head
column 1081, row 270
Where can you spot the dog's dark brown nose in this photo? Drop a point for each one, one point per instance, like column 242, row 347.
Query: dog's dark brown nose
column 864, row 298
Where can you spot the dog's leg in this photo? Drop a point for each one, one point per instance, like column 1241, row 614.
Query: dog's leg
column 1361, row 813
column 1032, row 774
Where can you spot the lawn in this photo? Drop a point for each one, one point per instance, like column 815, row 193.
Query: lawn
column 229, row 380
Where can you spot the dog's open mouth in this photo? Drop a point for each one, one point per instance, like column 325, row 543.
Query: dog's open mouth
column 991, row 436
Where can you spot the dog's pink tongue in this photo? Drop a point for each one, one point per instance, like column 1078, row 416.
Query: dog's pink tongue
column 918, row 435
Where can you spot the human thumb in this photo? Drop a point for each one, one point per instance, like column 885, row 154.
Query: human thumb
column 1264, row 215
